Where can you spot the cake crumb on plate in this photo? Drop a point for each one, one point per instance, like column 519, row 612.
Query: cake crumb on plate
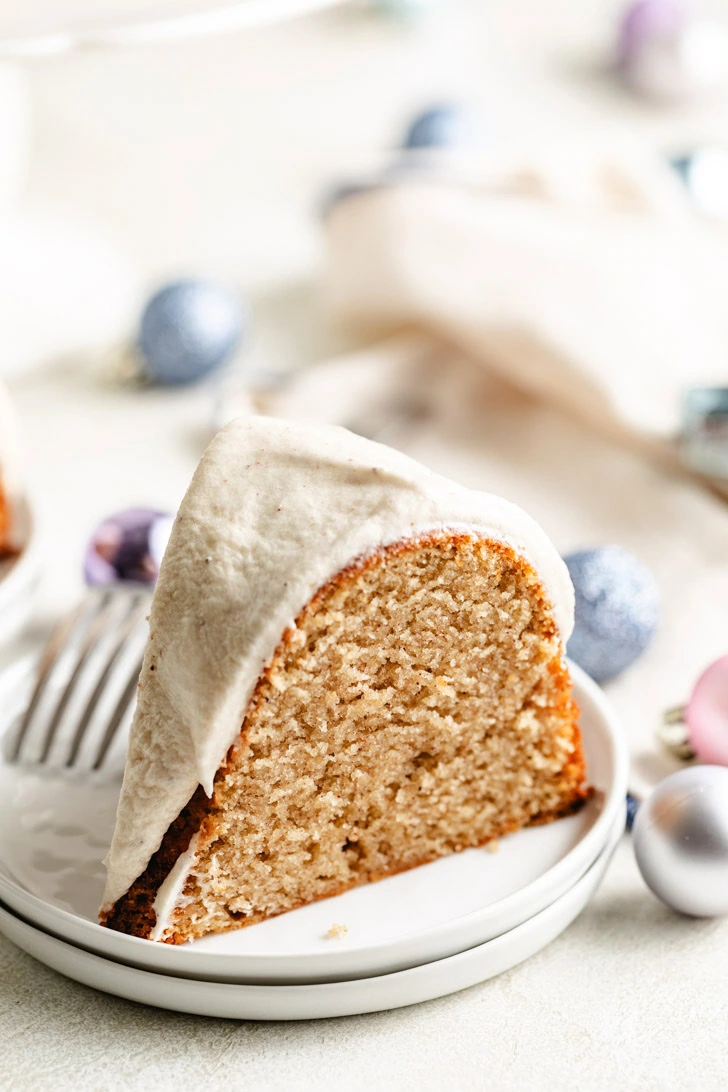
column 337, row 931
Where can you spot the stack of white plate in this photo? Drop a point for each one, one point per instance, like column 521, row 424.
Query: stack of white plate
column 410, row 938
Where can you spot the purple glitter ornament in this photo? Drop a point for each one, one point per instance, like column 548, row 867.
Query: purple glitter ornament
column 127, row 548
column 647, row 22
column 667, row 54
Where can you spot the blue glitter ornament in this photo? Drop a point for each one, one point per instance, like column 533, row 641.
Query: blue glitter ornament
column 617, row 610
column 188, row 329
column 632, row 806
column 444, row 126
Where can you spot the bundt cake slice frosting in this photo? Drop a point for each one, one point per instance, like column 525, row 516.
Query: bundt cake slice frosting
column 354, row 666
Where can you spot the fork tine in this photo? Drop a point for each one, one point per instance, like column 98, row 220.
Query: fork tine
column 137, row 613
column 59, row 641
column 95, row 630
column 117, row 719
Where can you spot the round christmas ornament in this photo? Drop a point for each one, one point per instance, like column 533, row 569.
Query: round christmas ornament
column 443, row 126
column 127, row 547
column 632, row 805
column 680, row 839
column 187, row 330
column 703, row 437
column 704, row 172
column 699, row 729
column 616, row 610
column 667, row 54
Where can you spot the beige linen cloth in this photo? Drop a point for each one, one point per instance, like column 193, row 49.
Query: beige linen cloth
column 532, row 330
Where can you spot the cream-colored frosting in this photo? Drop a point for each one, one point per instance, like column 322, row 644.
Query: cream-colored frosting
column 274, row 511
column 170, row 891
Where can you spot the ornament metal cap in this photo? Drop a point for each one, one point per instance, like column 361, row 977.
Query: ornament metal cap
column 674, row 735
column 126, row 365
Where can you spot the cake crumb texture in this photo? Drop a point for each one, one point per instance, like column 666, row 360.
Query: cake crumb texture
column 337, row 931
column 419, row 706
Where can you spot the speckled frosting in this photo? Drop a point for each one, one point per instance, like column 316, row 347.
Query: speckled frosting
column 274, row 511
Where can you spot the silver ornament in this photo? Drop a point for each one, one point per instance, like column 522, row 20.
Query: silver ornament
column 447, row 125
column 680, row 838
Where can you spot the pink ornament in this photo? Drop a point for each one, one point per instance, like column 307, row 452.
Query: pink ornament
column 706, row 715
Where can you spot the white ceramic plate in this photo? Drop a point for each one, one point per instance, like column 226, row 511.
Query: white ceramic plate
column 38, row 27
column 19, row 579
column 309, row 1002
column 53, row 835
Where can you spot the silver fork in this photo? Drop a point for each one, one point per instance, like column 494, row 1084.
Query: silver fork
column 86, row 685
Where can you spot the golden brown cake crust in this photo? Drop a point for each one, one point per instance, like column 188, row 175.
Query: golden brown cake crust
column 5, row 548
column 134, row 912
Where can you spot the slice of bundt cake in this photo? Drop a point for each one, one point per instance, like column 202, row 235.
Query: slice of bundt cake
column 354, row 667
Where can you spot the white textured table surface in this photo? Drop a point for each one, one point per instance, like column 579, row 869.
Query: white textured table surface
column 208, row 156
column 630, row 997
